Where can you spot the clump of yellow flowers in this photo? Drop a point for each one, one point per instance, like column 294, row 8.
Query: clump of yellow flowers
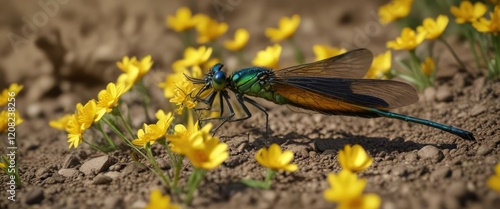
column 204, row 151
column 9, row 120
column 346, row 189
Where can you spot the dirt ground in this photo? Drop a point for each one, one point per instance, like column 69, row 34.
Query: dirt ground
column 66, row 54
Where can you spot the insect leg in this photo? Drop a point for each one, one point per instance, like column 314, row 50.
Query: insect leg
column 231, row 111
column 242, row 99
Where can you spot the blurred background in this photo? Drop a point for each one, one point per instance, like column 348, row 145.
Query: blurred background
column 67, row 50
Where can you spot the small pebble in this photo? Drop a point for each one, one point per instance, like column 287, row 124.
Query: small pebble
column 163, row 164
column 477, row 110
column 441, row 173
column 431, row 152
column 443, row 94
column 96, row 165
column 70, row 161
column 484, row 149
column 101, row 179
column 34, row 196
column 400, row 170
column 68, row 172
column 429, row 94
column 113, row 174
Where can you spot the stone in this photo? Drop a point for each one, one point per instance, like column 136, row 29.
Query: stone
column 70, row 161
column 68, row 172
column 441, row 173
column 477, row 110
column 444, row 94
column 484, row 149
column 101, row 179
column 34, row 196
column 96, row 165
column 431, row 153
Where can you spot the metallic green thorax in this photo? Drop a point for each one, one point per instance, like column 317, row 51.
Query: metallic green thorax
column 255, row 82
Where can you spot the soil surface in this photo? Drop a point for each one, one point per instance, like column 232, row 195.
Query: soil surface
column 70, row 55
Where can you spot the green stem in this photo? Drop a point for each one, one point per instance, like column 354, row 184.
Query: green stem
column 483, row 50
column 177, row 171
column 6, row 161
column 106, row 136
column 119, row 133
column 177, row 161
column 94, row 146
column 127, row 125
column 472, row 42
column 269, row 177
column 299, row 55
column 423, row 81
column 495, row 72
column 193, row 183
column 143, row 91
column 452, row 52
column 165, row 178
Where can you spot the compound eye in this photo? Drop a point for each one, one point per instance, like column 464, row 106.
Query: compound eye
column 216, row 68
column 219, row 80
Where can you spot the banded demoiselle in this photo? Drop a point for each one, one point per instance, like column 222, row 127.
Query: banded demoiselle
column 333, row 86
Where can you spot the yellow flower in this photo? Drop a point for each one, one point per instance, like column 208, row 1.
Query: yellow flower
column 275, row 159
column 84, row 117
column 158, row 201
column 394, row 10
column 286, row 29
column 168, row 85
column 87, row 114
column 135, row 69
column 205, row 151
column 489, row 26
column 323, row 51
column 151, row 133
column 182, row 96
column 354, row 159
column 182, row 21
column 380, row 67
column 241, row 37
column 2, row 166
column 494, row 181
column 344, row 186
column 61, row 123
column 208, row 29
column 108, row 98
column 408, row 40
column 13, row 88
column 6, row 118
column 367, row 201
column 434, row 28
column 468, row 12
column 179, row 141
column 193, row 57
column 428, row 66
column 269, row 57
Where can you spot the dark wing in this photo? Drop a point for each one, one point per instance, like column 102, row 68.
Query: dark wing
column 382, row 94
column 352, row 64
